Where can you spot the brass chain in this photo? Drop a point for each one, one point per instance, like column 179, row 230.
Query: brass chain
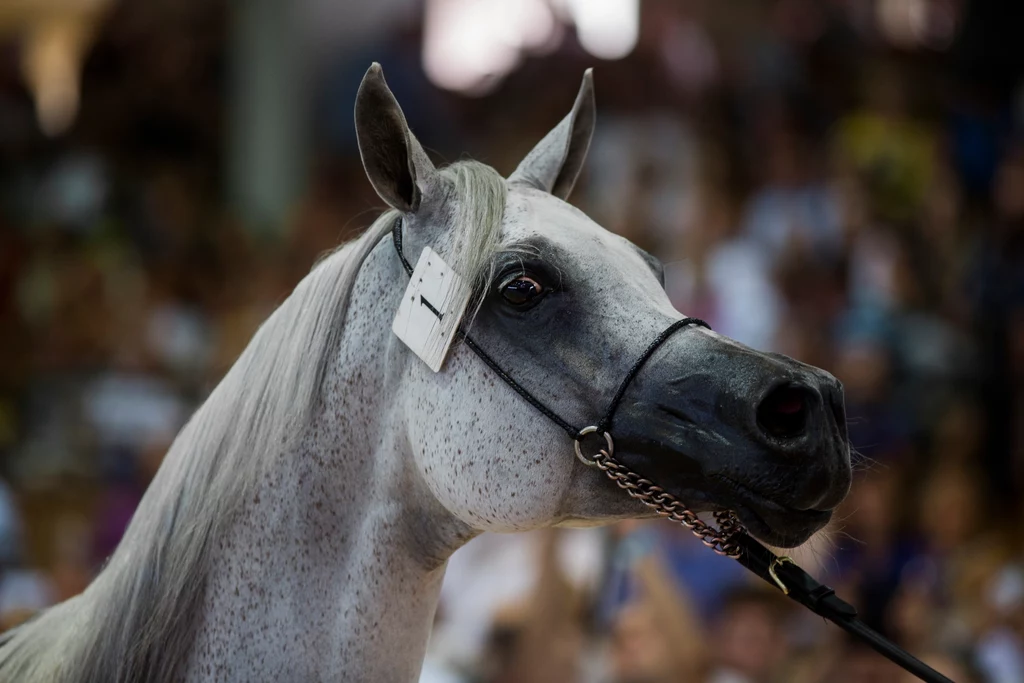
column 667, row 505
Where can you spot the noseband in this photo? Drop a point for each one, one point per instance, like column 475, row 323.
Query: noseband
column 730, row 539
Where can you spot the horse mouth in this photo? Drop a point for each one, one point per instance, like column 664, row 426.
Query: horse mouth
column 768, row 520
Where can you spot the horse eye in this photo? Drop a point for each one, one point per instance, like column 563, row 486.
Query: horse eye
column 521, row 291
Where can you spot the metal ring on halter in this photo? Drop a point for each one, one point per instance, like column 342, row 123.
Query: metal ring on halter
column 579, row 452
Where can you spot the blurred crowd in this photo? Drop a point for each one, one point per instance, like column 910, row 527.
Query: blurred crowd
column 814, row 185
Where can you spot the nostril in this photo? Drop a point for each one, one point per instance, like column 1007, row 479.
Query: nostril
column 784, row 412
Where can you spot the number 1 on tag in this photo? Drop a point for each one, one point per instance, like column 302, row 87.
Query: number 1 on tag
column 431, row 309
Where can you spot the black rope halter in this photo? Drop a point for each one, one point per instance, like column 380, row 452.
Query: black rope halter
column 577, row 433
column 782, row 572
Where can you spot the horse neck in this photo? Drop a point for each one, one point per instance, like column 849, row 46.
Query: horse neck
column 334, row 568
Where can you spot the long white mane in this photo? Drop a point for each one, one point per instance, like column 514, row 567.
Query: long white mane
column 134, row 622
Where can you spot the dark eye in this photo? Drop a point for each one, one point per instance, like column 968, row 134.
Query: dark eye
column 522, row 291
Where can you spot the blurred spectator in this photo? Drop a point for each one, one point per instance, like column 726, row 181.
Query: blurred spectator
column 892, row 150
column 748, row 637
column 494, row 575
column 545, row 643
column 878, row 429
column 707, row 578
column 23, row 591
column 657, row 637
column 1001, row 646
column 793, row 211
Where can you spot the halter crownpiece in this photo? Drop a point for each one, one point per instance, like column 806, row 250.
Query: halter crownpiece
column 730, row 539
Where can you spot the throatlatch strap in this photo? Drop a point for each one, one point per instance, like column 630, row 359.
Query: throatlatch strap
column 781, row 572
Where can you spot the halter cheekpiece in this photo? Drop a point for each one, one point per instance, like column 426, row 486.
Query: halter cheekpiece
column 730, row 539
column 578, row 434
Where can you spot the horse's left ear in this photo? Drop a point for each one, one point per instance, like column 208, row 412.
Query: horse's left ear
column 398, row 168
column 555, row 163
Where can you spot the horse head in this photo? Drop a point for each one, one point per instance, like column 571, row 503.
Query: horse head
column 566, row 307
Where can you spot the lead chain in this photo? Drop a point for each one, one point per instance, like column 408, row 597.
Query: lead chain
column 667, row 505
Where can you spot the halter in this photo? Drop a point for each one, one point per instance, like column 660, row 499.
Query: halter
column 730, row 539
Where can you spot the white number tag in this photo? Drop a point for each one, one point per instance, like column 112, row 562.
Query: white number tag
column 433, row 285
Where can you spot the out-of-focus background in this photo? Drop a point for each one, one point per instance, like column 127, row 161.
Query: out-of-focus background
column 838, row 180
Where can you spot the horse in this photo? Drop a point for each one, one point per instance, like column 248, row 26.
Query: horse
column 299, row 526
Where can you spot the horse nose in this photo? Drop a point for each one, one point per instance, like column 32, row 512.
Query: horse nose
column 785, row 413
column 803, row 422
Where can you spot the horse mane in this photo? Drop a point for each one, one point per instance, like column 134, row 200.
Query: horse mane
column 136, row 621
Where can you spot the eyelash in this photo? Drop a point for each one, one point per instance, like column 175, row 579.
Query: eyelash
column 548, row 278
column 508, row 278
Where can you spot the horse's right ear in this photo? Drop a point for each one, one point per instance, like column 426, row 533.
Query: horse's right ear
column 555, row 163
column 395, row 163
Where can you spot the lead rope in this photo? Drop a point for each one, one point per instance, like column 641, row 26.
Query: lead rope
column 730, row 539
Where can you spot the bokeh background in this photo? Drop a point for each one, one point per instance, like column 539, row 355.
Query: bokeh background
column 838, row 180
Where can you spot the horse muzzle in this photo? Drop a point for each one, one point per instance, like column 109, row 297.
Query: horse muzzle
column 760, row 434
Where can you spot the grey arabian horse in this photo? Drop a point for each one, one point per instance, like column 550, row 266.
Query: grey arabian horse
column 299, row 527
